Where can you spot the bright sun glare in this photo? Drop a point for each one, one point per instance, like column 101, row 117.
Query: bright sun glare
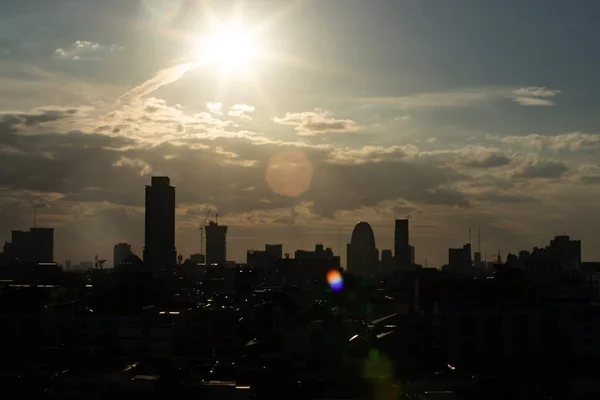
column 229, row 47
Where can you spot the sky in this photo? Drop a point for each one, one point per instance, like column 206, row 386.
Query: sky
column 463, row 114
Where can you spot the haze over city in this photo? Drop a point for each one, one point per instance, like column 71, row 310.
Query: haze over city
column 314, row 116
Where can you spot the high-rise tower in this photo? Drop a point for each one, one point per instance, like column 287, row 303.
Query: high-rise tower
column 216, row 243
column 159, row 247
column 362, row 255
column 402, row 251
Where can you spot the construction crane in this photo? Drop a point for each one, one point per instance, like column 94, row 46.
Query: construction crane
column 202, row 231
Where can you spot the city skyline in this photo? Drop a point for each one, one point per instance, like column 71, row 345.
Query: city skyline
column 458, row 122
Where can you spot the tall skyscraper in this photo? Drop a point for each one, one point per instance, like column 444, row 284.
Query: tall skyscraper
column 401, row 244
column 159, row 247
column 120, row 252
column 362, row 255
column 216, row 243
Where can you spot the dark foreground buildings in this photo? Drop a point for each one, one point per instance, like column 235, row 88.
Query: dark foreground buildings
column 159, row 245
column 35, row 245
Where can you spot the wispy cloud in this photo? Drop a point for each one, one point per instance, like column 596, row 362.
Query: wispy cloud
column 160, row 79
column 527, row 96
column 535, row 96
column 214, row 108
column 143, row 167
column 316, row 122
column 240, row 111
column 573, row 141
column 85, row 50
column 448, row 99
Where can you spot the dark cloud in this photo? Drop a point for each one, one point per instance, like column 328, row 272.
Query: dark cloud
column 505, row 198
column 348, row 187
column 10, row 122
column 590, row 179
column 489, row 161
column 541, row 169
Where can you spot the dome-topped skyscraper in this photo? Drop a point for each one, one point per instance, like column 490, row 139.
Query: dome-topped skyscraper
column 362, row 255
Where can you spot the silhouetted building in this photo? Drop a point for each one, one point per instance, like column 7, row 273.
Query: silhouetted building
column 262, row 258
column 459, row 260
column 35, row 245
column 159, row 248
column 402, row 252
column 477, row 259
column 363, row 256
column 216, row 243
column 567, row 252
column 197, row 258
column 120, row 252
column 320, row 253
column 387, row 259
column 308, row 269
column 43, row 244
column 86, row 265
column 68, row 264
column 412, row 255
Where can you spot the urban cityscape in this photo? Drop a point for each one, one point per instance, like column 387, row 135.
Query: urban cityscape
column 296, row 326
column 300, row 199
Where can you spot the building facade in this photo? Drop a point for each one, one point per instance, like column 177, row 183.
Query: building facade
column 120, row 252
column 363, row 256
column 402, row 252
column 216, row 243
column 159, row 245
column 35, row 245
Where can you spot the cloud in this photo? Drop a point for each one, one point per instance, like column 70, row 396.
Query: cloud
column 368, row 154
column 588, row 174
column 527, row 96
column 535, row 96
column 317, row 122
column 470, row 156
column 10, row 122
column 573, row 141
column 489, row 160
column 241, row 111
column 541, row 169
column 161, row 78
column 503, row 197
column 536, row 91
column 214, row 108
column 450, row 99
column 84, row 50
column 143, row 167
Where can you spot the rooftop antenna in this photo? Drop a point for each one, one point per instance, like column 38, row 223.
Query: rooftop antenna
column 469, row 235
column 479, row 240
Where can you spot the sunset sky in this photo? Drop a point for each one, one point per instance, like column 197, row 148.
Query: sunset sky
column 462, row 113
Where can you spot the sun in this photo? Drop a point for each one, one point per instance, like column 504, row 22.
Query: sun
column 229, row 46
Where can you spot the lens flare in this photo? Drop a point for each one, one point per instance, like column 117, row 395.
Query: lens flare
column 335, row 280
column 289, row 173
